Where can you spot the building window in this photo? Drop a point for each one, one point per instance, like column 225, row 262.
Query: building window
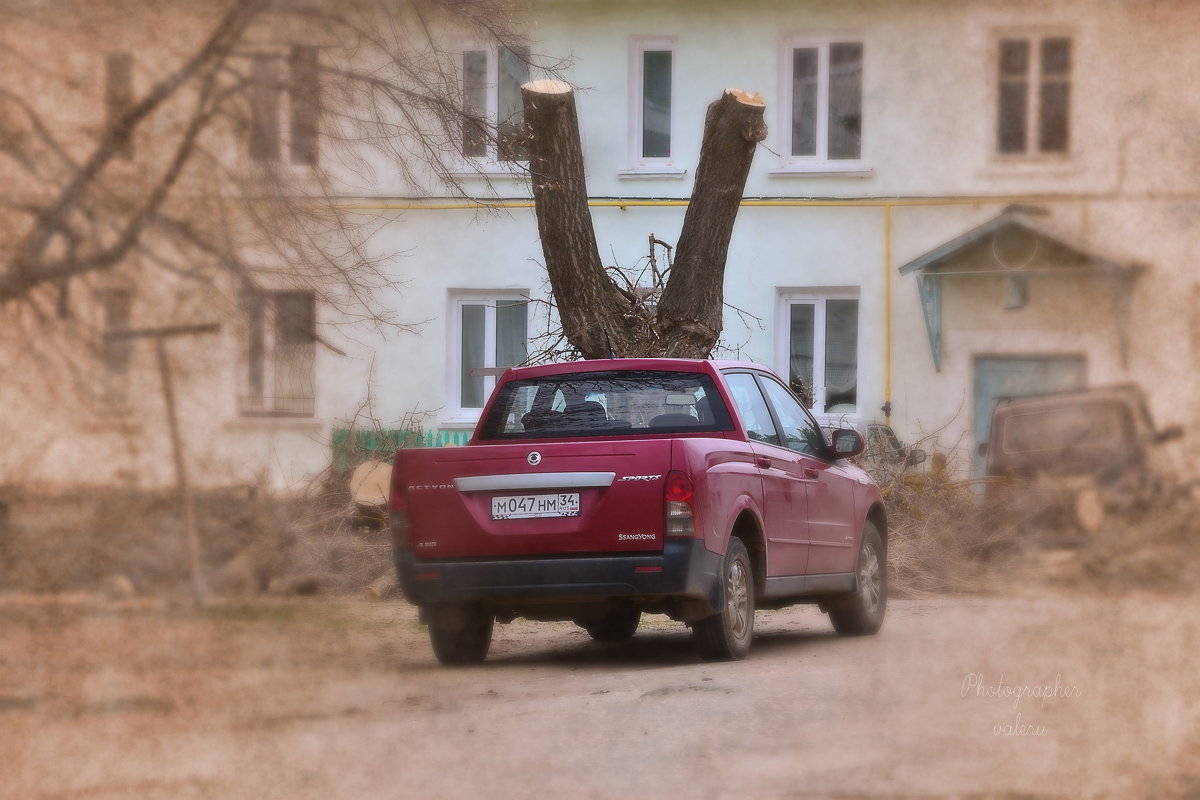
column 118, row 98
column 264, row 109
column 817, row 348
column 491, row 333
column 116, row 351
column 652, row 65
column 824, row 112
column 302, row 91
column 305, row 93
column 493, row 116
column 116, row 305
column 281, row 344
column 1034, row 95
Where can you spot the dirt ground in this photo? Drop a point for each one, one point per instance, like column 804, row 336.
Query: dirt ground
column 1020, row 693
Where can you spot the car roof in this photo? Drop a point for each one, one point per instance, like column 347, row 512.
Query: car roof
column 629, row 364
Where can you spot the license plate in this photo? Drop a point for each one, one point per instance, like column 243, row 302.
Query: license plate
column 530, row 506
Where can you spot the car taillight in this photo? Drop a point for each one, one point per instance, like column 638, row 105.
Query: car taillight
column 398, row 506
column 677, row 500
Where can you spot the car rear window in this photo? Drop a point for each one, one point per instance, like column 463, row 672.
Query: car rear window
column 1073, row 428
column 609, row 403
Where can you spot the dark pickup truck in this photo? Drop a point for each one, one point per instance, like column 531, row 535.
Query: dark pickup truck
column 595, row 491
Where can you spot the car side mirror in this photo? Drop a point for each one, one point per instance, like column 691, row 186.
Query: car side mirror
column 847, row 443
column 983, row 449
column 916, row 457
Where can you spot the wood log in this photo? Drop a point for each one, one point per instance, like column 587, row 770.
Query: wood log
column 1089, row 510
column 370, row 483
column 692, row 306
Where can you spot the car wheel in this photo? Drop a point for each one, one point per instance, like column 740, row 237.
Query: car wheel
column 460, row 634
column 861, row 612
column 616, row 625
column 726, row 636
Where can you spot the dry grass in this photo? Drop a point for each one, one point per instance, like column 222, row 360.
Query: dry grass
column 130, row 541
column 945, row 538
column 942, row 539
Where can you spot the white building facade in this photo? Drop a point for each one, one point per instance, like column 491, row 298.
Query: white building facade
column 1016, row 161
column 958, row 200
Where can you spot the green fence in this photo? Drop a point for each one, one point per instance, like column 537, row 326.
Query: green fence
column 351, row 447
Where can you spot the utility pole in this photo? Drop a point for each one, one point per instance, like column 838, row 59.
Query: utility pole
column 186, row 500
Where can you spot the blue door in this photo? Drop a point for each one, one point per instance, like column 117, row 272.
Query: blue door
column 999, row 377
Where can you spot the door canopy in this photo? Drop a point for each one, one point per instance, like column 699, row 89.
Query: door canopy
column 1020, row 245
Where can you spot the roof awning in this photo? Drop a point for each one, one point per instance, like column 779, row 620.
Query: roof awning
column 1020, row 244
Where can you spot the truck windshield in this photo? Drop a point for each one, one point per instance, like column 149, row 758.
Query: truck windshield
column 606, row 404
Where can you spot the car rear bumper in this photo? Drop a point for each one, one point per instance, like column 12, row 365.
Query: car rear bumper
column 684, row 570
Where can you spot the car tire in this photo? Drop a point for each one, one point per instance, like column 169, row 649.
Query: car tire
column 616, row 625
column 861, row 612
column 460, row 634
column 726, row 636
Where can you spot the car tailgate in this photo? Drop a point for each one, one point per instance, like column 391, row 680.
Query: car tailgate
column 550, row 498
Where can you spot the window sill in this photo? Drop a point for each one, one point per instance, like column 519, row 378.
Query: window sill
column 1027, row 166
column 652, row 173
column 824, row 169
column 461, row 419
column 260, row 421
column 490, row 170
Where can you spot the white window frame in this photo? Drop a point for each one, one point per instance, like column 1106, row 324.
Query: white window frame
column 817, row 297
column 490, row 162
column 1033, row 101
column 455, row 413
column 640, row 165
column 820, row 161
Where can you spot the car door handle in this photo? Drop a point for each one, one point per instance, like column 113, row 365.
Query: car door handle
column 812, row 473
column 762, row 461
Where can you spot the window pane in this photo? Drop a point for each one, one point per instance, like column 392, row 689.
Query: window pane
column 474, row 144
column 1053, row 128
column 656, row 104
column 800, row 350
column 1012, row 109
column 295, row 352
column 295, row 387
column 752, row 408
column 841, row 353
column 256, row 348
column 117, row 352
column 511, row 331
column 845, row 100
column 472, row 322
column 295, row 318
column 804, row 101
column 510, row 128
column 306, row 104
column 799, row 431
column 264, row 110
column 1014, row 57
column 1056, row 56
column 1012, row 116
column 1054, row 124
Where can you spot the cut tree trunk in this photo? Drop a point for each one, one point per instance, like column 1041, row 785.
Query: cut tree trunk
column 590, row 307
column 598, row 317
column 693, row 302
